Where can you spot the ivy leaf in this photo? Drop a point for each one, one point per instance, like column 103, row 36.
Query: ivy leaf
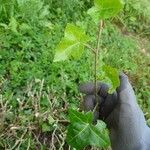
column 104, row 9
column 81, row 131
column 76, row 116
column 113, row 76
column 72, row 45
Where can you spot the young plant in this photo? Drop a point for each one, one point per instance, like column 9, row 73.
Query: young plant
column 81, row 131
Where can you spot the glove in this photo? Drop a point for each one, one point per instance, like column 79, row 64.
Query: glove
column 121, row 113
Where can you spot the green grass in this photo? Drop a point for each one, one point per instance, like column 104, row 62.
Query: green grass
column 34, row 91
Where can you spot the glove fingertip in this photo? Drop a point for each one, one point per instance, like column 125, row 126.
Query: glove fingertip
column 123, row 82
column 88, row 88
column 89, row 102
column 123, row 76
column 85, row 88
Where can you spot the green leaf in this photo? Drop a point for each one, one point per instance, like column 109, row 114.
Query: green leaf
column 13, row 24
column 81, row 131
column 72, row 45
column 113, row 76
column 94, row 13
column 50, row 119
column 24, row 27
column 46, row 127
column 76, row 116
column 104, row 9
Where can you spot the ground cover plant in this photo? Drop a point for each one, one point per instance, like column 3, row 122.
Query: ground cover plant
column 35, row 93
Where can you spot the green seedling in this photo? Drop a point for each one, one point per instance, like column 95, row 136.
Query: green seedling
column 81, row 131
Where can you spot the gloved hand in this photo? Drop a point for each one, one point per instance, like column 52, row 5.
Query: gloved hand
column 121, row 113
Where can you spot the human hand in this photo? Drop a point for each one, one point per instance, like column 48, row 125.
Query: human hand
column 121, row 113
column 106, row 102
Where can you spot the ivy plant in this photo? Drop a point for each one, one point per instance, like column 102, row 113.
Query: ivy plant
column 81, row 132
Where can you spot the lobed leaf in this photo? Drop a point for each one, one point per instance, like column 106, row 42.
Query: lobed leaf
column 76, row 116
column 104, row 9
column 81, row 131
column 72, row 45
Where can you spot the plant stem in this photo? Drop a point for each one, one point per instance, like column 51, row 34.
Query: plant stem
column 89, row 47
column 96, row 59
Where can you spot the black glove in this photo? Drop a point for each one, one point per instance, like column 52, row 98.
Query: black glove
column 121, row 113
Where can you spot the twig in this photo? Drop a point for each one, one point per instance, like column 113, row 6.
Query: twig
column 88, row 46
column 19, row 141
column 65, row 122
column 23, row 128
column 52, row 143
column 36, row 138
column 96, row 58
column 62, row 136
column 29, row 143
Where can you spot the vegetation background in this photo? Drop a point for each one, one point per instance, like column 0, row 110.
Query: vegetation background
column 36, row 93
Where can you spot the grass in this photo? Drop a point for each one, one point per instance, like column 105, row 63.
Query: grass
column 32, row 126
